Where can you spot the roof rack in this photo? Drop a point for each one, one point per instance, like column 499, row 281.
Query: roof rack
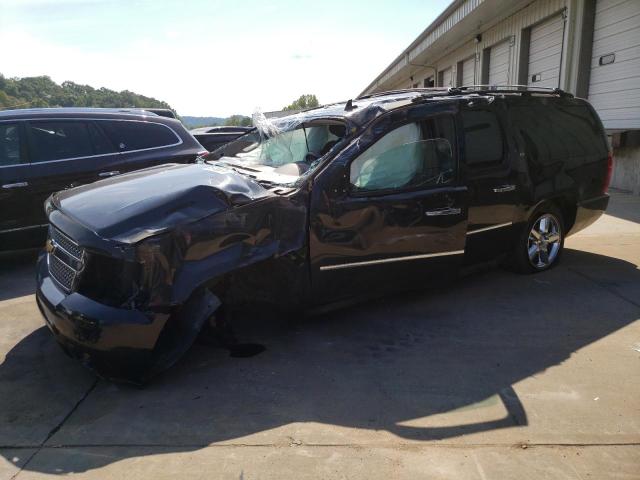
column 521, row 89
column 405, row 90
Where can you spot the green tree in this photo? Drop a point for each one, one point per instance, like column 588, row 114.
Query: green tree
column 302, row 103
column 238, row 121
column 43, row 92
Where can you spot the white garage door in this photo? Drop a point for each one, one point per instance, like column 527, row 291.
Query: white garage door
column 468, row 71
column 499, row 57
column 445, row 77
column 614, row 86
column 545, row 53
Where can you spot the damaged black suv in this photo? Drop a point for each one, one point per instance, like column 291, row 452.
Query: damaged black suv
column 388, row 191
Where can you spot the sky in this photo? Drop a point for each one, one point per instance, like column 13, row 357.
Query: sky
column 215, row 57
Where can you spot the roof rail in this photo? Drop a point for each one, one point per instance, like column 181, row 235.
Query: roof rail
column 404, row 90
column 428, row 92
column 522, row 89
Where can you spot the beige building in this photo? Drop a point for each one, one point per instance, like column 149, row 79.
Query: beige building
column 590, row 48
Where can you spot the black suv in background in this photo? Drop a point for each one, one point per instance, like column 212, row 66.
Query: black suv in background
column 213, row 138
column 46, row 150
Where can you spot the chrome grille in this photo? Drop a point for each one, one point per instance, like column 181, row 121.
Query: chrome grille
column 61, row 272
column 66, row 243
column 65, row 259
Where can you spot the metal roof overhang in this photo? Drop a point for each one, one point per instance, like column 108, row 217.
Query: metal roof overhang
column 460, row 22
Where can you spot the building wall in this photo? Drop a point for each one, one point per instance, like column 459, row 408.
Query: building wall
column 626, row 171
column 510, row 29
column 449, row 60
column 575, row 63
column 626, row 161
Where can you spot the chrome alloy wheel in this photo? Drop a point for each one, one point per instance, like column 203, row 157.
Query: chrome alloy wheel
column 545, row 239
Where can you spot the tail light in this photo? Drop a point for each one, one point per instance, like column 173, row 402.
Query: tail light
column 202, row 153
column 607, row 179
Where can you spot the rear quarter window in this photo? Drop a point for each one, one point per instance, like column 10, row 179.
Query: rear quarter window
column 559, row 133
column 131, row 135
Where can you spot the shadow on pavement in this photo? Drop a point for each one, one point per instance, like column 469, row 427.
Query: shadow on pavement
column 17, row 273
column 431, row 356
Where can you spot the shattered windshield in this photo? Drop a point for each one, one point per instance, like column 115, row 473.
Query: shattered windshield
column 281, row 152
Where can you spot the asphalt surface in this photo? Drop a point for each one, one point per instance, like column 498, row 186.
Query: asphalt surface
column 497, row 376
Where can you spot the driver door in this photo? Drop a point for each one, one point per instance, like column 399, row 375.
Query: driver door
column 389, row 213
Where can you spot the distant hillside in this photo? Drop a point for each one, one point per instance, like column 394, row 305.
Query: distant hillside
column 33, row 92
column 195, row 122
column 36, row 92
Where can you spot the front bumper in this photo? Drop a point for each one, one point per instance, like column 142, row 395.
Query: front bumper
column 117, row 343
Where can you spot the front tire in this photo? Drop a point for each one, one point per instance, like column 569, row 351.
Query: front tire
column 541, row 243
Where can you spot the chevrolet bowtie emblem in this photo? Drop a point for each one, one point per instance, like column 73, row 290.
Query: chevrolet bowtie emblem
column 50, row 247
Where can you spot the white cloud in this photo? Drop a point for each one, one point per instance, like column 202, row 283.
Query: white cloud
column 208, row 77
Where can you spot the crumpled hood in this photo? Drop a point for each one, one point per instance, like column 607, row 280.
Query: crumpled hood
column 131, row 207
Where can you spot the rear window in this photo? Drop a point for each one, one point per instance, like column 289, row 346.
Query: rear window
column 131, row 135
column 59, row 140
column 9, row 144
column 559, row 133
column 482, row 138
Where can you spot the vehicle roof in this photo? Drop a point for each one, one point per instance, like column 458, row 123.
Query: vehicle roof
column 66, row 112
column 357, row 110
column 363, row 109
column 220, row 129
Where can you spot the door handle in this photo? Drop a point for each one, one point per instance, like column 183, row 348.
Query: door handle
column 15, row 185
column 504, row 188
column 109, row 174
column 443, row 211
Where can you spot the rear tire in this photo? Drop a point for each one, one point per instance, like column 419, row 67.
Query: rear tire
column 541, row 243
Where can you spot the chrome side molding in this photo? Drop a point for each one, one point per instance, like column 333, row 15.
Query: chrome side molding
column 491, row 227
column 389, row 260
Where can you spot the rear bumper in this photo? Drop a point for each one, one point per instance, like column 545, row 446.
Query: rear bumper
column 588, row 212
column 117, row 343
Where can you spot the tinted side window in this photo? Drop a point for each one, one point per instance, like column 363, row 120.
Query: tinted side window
column 101, row 143
column 559, row 133
column 131, row 135
column 482, row 137
column 59, row 140
column 10, row 144
column 406, row 157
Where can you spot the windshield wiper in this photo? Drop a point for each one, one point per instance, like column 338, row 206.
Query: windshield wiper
column 226, row 163
column 235, row 165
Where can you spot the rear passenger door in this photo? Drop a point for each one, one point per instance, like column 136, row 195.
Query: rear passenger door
column 142, row 144
column 492, row 182
column 64, row 154
column 14, row 180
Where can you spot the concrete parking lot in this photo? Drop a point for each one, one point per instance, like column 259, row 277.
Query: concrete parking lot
column 498, row 376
